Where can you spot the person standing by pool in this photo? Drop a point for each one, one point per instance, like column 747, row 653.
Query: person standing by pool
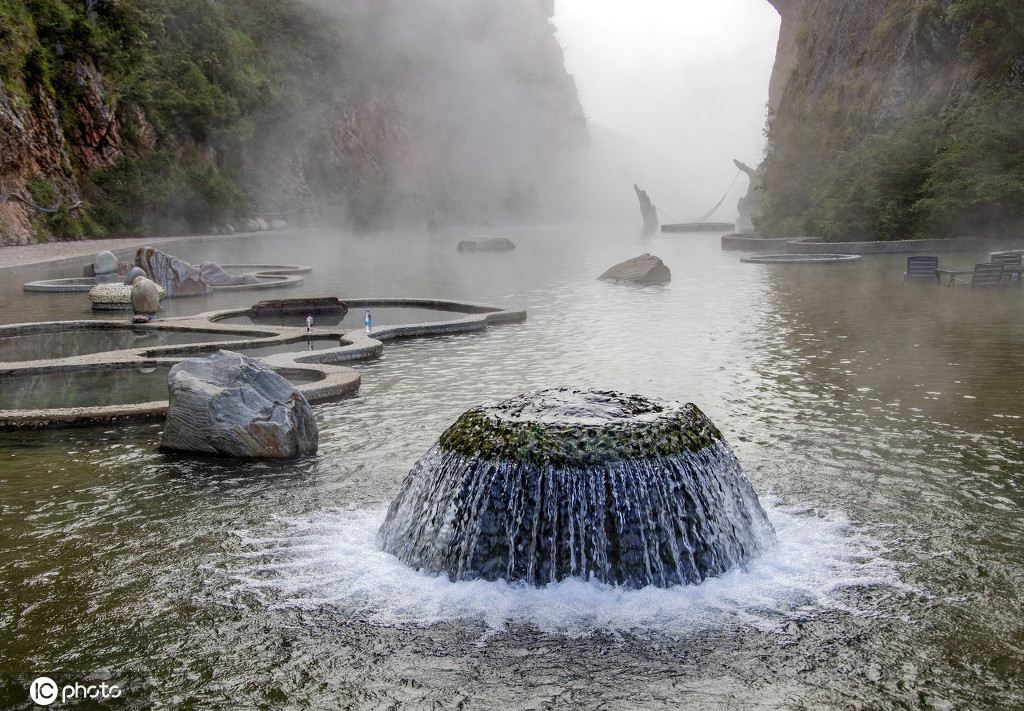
column 309, row 323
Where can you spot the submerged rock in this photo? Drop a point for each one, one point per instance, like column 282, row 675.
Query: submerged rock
column 492, row 244
column 229, row 404
column 645, row 269
column 576, row 483
column 177, row 277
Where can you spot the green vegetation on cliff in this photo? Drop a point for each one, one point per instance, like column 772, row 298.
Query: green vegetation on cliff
column 181, row 115
column 949, row 162
column 189, row 83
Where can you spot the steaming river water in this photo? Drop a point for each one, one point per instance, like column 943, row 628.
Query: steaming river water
column 881, row 425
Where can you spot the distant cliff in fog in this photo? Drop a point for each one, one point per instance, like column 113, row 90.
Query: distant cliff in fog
column 896, row 119
column 157, row 116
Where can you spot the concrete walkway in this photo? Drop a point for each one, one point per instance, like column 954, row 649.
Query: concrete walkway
column 23, row 255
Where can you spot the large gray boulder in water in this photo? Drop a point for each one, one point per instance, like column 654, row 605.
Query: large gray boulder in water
column 645, row 269
column 177, row 277
column 232, row 405
column 214, row 275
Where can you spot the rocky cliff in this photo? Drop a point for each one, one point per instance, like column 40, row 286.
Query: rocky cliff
column 157, row 116
column 896, row 119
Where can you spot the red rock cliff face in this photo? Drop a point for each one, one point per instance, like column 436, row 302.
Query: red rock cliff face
column 34, row 144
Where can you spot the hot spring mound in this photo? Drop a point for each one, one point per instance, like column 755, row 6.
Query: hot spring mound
column 623, row 489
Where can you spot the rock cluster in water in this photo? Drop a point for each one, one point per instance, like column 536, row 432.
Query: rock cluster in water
column 565, row 483
column 177, row 277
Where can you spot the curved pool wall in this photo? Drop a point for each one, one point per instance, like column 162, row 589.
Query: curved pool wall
column 811, row 245
column 801, row 259
column 271, row 276
column 324, row 367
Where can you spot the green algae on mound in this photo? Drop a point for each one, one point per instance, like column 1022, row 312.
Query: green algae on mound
column 620, row 489
column 579, row 428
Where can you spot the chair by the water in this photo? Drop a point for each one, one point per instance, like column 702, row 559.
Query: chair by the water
column 987, row 275
column 1011, row 262
column 921, row 270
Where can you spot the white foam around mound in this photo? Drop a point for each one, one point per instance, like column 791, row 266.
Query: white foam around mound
column 333, row 560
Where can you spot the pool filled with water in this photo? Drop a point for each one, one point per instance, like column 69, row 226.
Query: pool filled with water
column 63, row 344
column 881, row 424
column 90, row 388
column 83, row 388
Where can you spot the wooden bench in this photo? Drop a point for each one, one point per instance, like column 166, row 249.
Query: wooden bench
column 1011, row 262
column 986, row 275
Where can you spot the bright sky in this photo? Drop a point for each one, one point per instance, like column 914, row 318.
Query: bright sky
column 686, row 78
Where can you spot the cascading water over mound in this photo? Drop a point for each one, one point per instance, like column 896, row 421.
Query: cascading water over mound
column 619, row 488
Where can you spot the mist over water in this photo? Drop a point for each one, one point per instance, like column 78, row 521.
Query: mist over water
column 446, row 111
column 673, row 91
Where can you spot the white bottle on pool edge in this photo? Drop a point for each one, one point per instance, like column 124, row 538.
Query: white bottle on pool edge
column 367, row 320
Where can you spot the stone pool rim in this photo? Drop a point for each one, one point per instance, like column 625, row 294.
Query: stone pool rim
column 801, row 259
column 271, row 276
column 335, row 379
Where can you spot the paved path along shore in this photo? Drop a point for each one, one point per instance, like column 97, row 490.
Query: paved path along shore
column 24, row 255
